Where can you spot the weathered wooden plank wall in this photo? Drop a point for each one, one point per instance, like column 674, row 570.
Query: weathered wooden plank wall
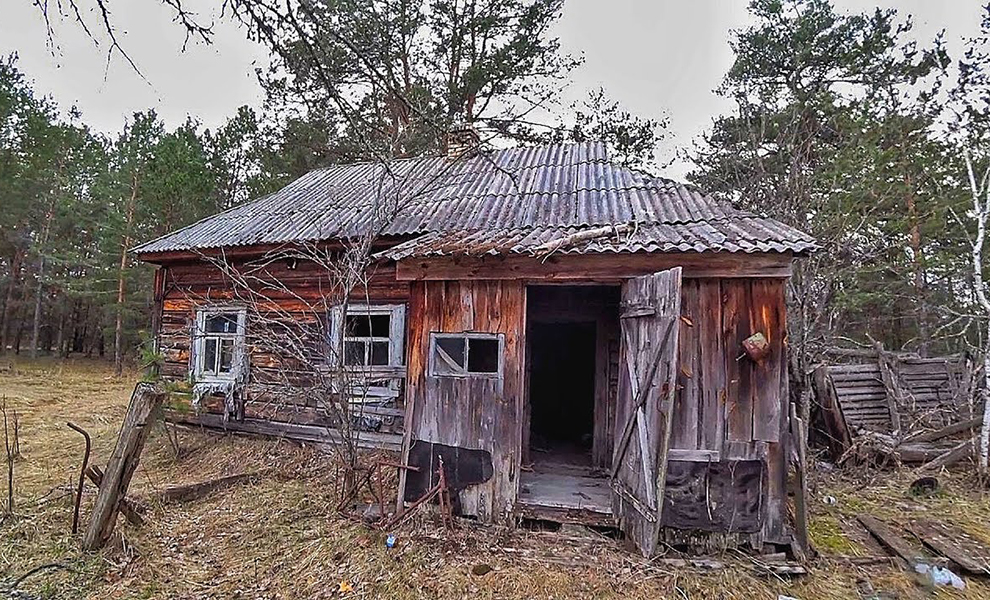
column 476, row 413
column 729, row 408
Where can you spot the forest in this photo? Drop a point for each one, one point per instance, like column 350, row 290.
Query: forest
column 844, row 125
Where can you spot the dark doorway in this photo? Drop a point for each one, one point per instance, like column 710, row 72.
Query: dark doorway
column 562, row 392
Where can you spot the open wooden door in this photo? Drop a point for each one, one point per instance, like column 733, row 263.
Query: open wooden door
column 650, row 310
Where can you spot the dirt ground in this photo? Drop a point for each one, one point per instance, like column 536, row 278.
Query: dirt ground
column 279, row 536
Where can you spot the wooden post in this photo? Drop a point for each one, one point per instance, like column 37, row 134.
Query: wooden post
column 145, row 405
column 799, row 436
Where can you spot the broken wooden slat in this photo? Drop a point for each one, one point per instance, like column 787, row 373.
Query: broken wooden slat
column 891, row 540
column 945, row 542
column 146, row 402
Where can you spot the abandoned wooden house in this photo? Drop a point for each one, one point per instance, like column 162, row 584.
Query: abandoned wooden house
column 566, row 333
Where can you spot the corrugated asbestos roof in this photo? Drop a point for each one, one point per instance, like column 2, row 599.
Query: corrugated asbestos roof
column 740, row 234
column 503, row 200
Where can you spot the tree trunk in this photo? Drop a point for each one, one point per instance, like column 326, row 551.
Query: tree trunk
column 8, row 304
column 919, row 274
column 118, row 350
column 36, row 328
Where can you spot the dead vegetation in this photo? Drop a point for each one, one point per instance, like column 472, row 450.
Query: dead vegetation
column 278, row 534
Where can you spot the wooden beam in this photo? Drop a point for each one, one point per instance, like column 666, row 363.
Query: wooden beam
column 146, row 402
column 800, row 437
column 369, row 440
column 601, row 268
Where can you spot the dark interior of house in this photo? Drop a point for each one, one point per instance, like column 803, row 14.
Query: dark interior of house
column 562, row 392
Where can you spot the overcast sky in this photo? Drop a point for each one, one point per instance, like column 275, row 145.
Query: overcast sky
column 658, row 58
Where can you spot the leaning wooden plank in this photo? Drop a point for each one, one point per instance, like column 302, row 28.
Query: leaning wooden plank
column 931, row 436
column 128, row 507
column 891, row 540
column 146, row 402
column 971, row 556
column 194, row 491
column 950, row 457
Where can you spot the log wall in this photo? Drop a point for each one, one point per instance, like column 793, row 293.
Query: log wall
column 297, row 303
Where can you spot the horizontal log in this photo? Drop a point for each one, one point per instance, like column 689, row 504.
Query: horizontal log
column 590, row 267
column 303, row 433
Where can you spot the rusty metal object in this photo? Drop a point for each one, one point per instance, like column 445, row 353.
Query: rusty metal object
column 440, row 489
column 757, row 346
column 82, row 475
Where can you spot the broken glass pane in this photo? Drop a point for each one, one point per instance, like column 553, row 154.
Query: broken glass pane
column 226, row 355
column 482, row 355
column 357, row 326
column 449, row 355
column 379, row 353
column 224, row 323
column 210, row 355
column 354, row 353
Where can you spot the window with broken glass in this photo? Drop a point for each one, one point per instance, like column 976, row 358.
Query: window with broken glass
column 219, row 345
column 371, row 335
column 466, row 354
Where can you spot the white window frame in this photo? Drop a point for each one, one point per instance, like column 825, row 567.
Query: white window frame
column 467, row 335
column 396, row 334
column 200, row 335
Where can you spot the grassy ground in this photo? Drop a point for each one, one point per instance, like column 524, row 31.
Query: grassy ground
column 279, row 537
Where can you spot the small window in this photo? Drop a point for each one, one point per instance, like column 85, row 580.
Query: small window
column 219, row 343
column 372, row 336
column 465, row 354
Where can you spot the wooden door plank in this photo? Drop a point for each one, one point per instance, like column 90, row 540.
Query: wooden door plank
column 735, row 329
column 711, row 379
column 686, row 411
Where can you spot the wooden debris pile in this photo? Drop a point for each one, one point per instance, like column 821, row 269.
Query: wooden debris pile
column 897, row 409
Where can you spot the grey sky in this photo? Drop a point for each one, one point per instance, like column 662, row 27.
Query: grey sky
column 656, row 57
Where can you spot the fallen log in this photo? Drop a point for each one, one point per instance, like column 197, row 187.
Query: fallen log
column 195, row 491
column 950, row 457
column 581, row 236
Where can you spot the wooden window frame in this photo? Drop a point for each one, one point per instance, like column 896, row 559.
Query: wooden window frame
column 396, row 335
column 200, row 336
column 467, row 335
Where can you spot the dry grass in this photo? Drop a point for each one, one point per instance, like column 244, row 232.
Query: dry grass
column 280, row 538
